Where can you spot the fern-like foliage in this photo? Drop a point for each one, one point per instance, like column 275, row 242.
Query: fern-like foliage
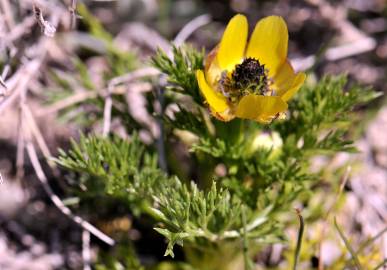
column 321, row 114
column 187, row 213
column 123, row 167
column 213, row 216
column 181, row 70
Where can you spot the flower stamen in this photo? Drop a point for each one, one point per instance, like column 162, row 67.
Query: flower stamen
column 249, row 77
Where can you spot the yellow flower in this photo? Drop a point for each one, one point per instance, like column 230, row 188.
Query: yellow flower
column 251, row 80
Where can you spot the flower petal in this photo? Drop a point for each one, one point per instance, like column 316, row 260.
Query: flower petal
column 233, row 44
column 298, row 81
column 287, row 82
column 212, row 70
column 269, row 43
column 217, row 102
column 284, row 78
column 260, row 108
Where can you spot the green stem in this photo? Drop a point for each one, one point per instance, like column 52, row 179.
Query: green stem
column 347, row 244
column 371, row 240
column 224, row 255
column 299, row 239
column 245, row 241
column 383, row 263
column 155, row 214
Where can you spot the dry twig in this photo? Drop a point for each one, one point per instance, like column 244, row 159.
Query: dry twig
column 18, row 86
column 47, row 28
column 6, row 7
column 344, row 180
column 134, row 75
column 19, row 81
column 357, row 42
column 86, row 250
column 110, row 89
column 67, row 102
column 57, row 201
column 190, row 28
column 2, row 83
column 360, row 46
column 33, row 126
column 20, row 29
column 107, row 114
column 73, row 16
column 20, row 146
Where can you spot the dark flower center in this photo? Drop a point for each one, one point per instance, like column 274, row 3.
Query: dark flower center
column 249, row 77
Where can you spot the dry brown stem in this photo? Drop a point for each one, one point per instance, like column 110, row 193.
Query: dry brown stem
column 33, row 156
column 190, row 28
column 325, row 224
column 107, row 114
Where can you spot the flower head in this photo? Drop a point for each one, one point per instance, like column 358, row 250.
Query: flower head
column 251, row 80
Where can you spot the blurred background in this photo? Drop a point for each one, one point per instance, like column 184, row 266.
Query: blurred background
column 48, row 47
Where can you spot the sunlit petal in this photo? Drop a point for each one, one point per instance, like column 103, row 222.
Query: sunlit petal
column 217, row 102
column 298, row 81
column 269, row 43
column 211, row 68
column 260, row 108
column 284, row 78
column 233, row 43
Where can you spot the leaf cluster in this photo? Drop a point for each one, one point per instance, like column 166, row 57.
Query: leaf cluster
column 123, row 168
column 185, row 212
column 180, row 69
column 321, row 115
